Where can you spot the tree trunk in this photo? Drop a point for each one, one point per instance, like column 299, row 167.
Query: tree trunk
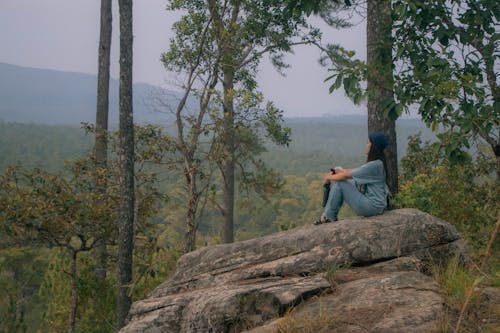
column 498, row 168
column 74, row 294
column 381, row 82
column 496, row 150
column 127, row 197
column 191, row 209
column 229, row 156
column 101, row 124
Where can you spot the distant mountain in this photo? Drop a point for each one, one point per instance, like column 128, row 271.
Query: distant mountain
column 30, row 95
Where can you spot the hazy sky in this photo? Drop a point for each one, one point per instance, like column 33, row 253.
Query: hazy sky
column 64, row 35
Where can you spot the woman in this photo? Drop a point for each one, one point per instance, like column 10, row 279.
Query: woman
column 364, row 188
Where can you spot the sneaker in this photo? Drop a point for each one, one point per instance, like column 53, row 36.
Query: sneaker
column 318, row 222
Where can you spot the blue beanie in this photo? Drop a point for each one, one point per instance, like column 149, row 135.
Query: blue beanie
column 379, row 139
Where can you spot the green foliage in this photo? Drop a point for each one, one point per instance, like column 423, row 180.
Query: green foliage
column 54, row 211
column 21, row 274
column 12, row 321
column 238, row 36
column 467, row 310
column 347, row 72
column 96, row 302
column 299, row 202
column 55, row 291
column 272, row 121
column 312, row 6
column 153, row 263
column 40, row 146
column 419, row 158
column 463, row 194
column 456, row 280
column 448, row 52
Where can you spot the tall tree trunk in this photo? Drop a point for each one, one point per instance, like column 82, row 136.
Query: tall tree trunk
column 381, row 82
column 101, row 124
column 496, row 150
column 127, row 197
column 224, row 35
column 74, row 294
column 191, row 209
column 228, row 164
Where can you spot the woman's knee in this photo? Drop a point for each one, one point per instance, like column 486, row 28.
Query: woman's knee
column 345, row 184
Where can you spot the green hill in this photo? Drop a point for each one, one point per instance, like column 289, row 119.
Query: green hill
column 317, row 144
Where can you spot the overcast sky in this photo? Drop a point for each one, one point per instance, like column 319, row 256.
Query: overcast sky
column 64, row 35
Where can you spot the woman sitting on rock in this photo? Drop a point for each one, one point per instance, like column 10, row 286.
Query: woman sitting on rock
column 364, row 188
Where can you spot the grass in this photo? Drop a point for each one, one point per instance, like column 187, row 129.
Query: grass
column 456, row 281
column 332, row 269
column 321, row 321
column 468, row 309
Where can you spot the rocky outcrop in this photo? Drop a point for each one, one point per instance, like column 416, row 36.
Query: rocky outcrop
column 392, row 296
column 249, row 285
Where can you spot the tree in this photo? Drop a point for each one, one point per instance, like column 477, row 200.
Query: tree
column 236, row 34
column 243, row 31
column 127, row 196
column 448, row 52
column 101, row 140
column 380, row 82
column 49, row 210
column 191, row 54
column 377, row 72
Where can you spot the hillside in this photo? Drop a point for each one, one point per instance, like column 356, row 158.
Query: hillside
column 316, row 145
column 30, row 95
column 41, row 146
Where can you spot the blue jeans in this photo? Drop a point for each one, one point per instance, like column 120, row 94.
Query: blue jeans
column 346, row 191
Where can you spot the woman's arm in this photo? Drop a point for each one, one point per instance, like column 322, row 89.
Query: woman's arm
column 345, row 174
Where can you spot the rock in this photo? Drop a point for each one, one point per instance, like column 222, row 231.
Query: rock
column 489, row 310
column 377, row 299
column 247, row 285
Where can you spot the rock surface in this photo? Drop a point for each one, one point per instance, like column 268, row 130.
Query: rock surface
column 394, row 297
column 248, row 285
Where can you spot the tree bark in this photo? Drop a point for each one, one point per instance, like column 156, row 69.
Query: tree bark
column 228, row 164
column 127, row 196
column 101, row 124
column 496, row 150
column 381, row 82
column 191, row 209
column 74, row 293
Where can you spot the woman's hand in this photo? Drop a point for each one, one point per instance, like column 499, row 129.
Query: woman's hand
column 343, row 175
